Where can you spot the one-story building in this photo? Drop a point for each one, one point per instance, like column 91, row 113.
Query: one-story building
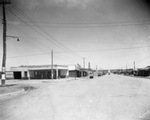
column 142, row 71
column 74, row 71
column 40, row 72
column 77, row 71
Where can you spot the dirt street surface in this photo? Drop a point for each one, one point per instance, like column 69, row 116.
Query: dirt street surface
column 110, row 97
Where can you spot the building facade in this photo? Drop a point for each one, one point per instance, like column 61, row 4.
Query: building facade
column 40, row 72
column 74, row 71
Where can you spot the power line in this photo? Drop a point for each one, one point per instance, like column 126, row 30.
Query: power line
column 53, row 40
column 142, row 59
column 41, row 45
column 42, row 30
column 29, row 55
column 34, row 30
column 105, row 24
column 84, row 51
column 137, row 61
column 32, row 54
column 88, row 26
column 96, row 23
column 56, row 56
column 127, row 48
column 14, row 30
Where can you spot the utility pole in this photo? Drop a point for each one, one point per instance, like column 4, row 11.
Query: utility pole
column 134, row 65
column 84, row 63
column 75, row 72
column 3, row 76
column 96, row 67
column 89, row 66
column 52, row 64
column 83, row 67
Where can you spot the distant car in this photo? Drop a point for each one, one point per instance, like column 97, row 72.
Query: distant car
column 109, row 73
column 99, row 75
column 91, row 76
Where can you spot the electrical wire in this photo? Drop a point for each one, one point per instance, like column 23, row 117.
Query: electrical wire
column 127, row 48
column 53, row 40
column 38, row 46
column 29, row 55
column 89, row 26
column 119, row 23
column 137, row 61
column 34, row 29
column 22, row 20
column 99, row 25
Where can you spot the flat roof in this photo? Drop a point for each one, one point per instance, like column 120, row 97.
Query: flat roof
column 38, row 67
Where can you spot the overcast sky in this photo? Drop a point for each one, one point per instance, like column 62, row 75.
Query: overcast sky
column 107, row 33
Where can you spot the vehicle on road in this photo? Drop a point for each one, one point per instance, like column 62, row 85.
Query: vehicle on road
column 91, row 76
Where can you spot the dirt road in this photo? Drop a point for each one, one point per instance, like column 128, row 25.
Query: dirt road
column 110, row 97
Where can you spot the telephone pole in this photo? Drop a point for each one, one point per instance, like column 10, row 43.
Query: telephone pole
column 126, row 69
column 3, row 76
column 134, row 65
column 83, row 67
column 89, row 66
column 75, row 73
column 84, row 63
column 52, row 64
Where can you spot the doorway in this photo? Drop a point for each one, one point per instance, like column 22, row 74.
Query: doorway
column 17, row 75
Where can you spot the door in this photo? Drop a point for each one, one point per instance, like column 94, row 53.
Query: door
column 17, row 75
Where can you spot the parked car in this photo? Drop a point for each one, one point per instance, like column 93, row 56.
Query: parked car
column 91, row 76
column 99, row 74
